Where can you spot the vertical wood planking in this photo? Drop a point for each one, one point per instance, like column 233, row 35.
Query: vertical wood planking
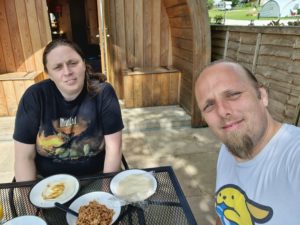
column 147, row 33
column 164, row 37
column 15, row 38
column 165, row 88
column 111, row 39
column 128, row 91
column 147, row 90
column 129, row 24
column 47, row 33
column 34, row 32
column 2, row 60
column 156, row 87
column 151, row 89
column 137, row 91
column 11, row 98
column 156, row 16
column 25, row 35
column 120, row 31
column 138, row 33
column 174, row 87
column 5, row 40
column 3, row 104
column 19, row 87
column 42, row 24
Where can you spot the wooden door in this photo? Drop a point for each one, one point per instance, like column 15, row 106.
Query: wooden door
column 106, row 46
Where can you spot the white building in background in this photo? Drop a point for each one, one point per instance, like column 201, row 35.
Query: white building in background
column 280, row 8
column 224, row 5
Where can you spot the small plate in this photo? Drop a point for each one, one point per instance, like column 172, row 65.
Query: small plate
column 133, row 185
column 71, row 188
column 26, row 220
column 103, row 198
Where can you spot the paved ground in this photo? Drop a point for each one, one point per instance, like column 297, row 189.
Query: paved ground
column 254, row 22
column 155, row 137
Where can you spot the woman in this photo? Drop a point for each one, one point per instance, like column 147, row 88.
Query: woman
column 70, row 123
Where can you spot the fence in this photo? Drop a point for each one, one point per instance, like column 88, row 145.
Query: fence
column 273, row 55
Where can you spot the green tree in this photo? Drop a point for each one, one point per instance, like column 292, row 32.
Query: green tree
column 210, row 4
column 234, row 2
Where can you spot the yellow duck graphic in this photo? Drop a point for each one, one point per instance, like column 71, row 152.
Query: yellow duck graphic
column 240, row 210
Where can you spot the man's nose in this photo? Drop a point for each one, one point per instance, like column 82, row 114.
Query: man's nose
column 224, row 109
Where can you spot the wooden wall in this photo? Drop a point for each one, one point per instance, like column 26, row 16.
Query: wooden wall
column 140, row 36
column 12, row 88
column 182, row 46
column 25, row 30
column 191, row 48
column 273, row 55
column 140, row 31
column 156, row 87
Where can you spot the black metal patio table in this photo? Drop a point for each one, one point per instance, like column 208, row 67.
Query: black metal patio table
column 167, row 206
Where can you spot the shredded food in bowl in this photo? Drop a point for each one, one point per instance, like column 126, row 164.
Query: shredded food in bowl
column 94, row 214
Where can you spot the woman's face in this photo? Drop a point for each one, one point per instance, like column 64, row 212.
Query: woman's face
column 66, row 69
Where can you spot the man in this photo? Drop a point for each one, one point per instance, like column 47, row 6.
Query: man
column 258, row 169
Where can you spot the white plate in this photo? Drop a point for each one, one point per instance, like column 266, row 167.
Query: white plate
column 26, row 220
column 103, row 198
column 71, row 189
column 141, row 186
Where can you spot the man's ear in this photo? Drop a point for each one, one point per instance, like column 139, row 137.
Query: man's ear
column 264, row 96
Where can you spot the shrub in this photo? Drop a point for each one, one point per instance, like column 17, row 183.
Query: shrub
column 294, row 23
column 275, row 23
column 218, row 19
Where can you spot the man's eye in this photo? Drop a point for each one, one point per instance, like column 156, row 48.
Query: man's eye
column 234, row 95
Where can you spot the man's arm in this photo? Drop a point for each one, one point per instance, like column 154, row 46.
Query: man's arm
column 25, row 169
column 113, row 155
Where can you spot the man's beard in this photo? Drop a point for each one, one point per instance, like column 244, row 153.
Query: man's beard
column 239, row 145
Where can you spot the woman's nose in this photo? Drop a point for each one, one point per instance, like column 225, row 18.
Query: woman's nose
column 66, row 69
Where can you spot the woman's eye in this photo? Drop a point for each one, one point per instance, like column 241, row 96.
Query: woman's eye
column 57, row 67
column 73, row 63
column 208, row 108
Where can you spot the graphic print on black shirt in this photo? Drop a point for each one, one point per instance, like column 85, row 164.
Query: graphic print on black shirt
column 70, row 140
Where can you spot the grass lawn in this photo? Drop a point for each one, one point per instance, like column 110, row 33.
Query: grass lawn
column 239, row 14
column 249, row 13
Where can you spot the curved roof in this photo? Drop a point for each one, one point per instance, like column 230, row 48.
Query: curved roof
column 279, row 8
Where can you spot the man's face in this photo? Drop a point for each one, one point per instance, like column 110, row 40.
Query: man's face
column 234, row 110
column 67, row 70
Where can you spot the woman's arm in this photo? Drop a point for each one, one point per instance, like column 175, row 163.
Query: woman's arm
column 218, row 222
column 25, row 169
column 113, row 154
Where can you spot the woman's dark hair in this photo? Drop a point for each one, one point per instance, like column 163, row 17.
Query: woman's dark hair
column 92, row 78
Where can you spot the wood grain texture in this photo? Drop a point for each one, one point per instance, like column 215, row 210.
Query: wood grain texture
column 274, row 58
column 5, row 40
column 24, row 32
column 16, row 38
column 12, row 88
column 151, row 89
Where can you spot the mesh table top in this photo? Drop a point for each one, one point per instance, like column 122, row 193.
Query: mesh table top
column 167, row 206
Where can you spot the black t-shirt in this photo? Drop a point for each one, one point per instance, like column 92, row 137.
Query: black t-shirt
column 69, row 135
